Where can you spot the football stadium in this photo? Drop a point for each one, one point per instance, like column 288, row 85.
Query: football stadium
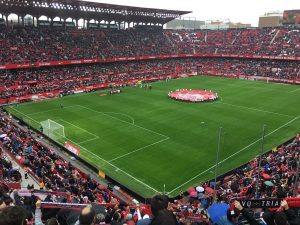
column 108, row 116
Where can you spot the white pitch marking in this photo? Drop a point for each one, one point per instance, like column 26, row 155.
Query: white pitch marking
column 79, row 128
column 139, row 149
column 122, row 114
column 50, row 110
column 102, row 159
column 234, row 154
column 259, row 110
column 26, row 115
column 298, row 89
column 117, row 168
column 124, row 121
column 92, row 139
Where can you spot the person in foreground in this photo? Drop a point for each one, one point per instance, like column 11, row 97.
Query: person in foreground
column 161, row 215
column 38, row 213
column 13, row 215
column 283, row 216
column 87, row 216
column 233, row 213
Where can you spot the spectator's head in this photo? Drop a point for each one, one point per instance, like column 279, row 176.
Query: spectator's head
column 13, row 216
column 145, row 211
column 233, row 214
column 158, row 202
column 52, row 221
column 130, row 222
column 281, row 193
column 129, row 217
column 2, row 204
column 5, row 201
column 280, row 219
column 100, row 217
column 117, row 216
column 87, row 216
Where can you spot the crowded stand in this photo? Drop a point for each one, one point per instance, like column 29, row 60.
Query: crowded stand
column 7, row 171
column 51, row 171
column 68, row 195
column 27, row 44
column 23, row 82
column 36, row 44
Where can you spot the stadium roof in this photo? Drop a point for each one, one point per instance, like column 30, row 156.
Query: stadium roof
column 88, row 10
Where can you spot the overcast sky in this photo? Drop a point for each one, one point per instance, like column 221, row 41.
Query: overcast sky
column 235, row 10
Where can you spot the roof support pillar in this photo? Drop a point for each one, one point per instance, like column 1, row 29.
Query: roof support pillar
column 6, row 20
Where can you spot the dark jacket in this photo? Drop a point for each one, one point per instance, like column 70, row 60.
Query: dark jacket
column 248, row 216
column 164, row 217
column 291, row 216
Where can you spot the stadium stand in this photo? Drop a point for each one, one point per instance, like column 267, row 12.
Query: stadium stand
column 24, row 82
column 49, row 44
column 56, row 173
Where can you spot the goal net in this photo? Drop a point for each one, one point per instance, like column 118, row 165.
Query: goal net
column 53, row 129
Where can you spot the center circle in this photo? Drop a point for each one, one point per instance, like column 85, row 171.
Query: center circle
column 193, row 95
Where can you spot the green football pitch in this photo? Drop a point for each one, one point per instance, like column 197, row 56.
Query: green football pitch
column 145, row 140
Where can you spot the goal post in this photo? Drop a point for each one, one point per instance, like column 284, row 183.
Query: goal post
column 53, row 129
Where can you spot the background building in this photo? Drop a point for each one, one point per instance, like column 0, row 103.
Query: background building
column 271, row 19
column 223, row 24
column 189, row 23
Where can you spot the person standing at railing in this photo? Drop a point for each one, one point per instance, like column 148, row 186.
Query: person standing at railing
column 38, row 214
column 161, row 214
column 233, row 213
column 283, row 216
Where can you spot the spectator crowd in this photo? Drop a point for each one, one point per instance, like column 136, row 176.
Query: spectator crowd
column 23, row 45
column 23, row 82
column 35, row 44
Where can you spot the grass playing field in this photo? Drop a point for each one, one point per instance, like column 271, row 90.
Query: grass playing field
column 144, row 140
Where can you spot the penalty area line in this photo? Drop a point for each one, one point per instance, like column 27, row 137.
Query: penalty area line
column 123, row 121
column 94, row 155
column 130, row 117
column 136, row 179
column 139, row 149
column 92, row 139
column 95, row 136
column 233, row 155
